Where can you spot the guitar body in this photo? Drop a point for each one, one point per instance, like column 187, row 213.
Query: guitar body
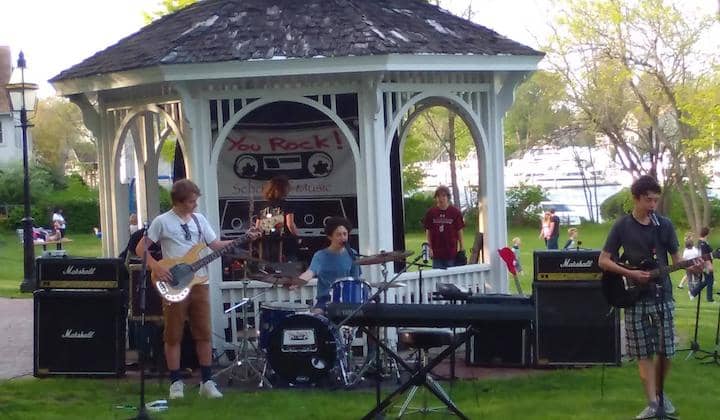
column 184, row 277
column 622, row 292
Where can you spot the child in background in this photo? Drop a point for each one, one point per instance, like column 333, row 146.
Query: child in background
column 688, row 237
column 572, row 239
column 689, row 253
column 516, row 251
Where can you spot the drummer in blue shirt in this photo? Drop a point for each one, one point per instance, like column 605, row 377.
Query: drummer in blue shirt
column 331, row 263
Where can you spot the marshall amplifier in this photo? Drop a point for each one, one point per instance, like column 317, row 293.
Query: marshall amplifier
column 574, row 324
column 79, row 332
column 79, row 273
column 580, row 265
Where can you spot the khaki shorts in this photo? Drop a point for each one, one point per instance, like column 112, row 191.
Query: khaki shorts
column 195, row 308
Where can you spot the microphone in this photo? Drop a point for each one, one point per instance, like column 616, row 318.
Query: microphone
column 654, row 218
column 425, row 252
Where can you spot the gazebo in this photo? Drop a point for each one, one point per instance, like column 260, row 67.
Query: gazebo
column 322, row 91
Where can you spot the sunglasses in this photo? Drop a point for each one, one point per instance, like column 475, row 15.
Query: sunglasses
column 186, row 229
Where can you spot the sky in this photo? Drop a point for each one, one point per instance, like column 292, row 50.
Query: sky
column 55, row 35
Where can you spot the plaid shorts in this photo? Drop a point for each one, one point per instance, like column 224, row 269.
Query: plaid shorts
column 642, row 322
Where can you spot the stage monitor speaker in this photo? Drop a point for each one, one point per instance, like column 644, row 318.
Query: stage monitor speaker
column 499, row 343
column 575, row 325
column 79, row 332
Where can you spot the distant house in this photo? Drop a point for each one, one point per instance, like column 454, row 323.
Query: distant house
column 10, row 135
column 83, row 161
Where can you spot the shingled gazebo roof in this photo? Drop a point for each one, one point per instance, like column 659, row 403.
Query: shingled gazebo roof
column 248, row 30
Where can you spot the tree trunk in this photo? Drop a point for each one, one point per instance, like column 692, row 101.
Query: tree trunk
column 453, row 157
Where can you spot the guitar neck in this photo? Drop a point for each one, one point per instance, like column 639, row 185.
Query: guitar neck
column 202, row 262
column 661, row 271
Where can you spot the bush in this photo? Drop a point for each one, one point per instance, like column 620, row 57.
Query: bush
column 616, row 205
column 523, row 204
column 415, row 208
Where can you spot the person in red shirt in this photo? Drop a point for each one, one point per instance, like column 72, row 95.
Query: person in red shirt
column 443, row 228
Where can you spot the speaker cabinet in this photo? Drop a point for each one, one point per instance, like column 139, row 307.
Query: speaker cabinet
column 79, row 332
column 500, row 343
column 575, row 325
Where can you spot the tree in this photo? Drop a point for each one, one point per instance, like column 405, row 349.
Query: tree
column 435, row 133
column 539, row 111
column 624, row 63
column 165, row 7
column 58, row 128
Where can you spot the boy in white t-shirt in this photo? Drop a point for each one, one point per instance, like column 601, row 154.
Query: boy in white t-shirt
column 177, row 231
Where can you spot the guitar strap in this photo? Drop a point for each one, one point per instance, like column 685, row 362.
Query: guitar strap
column 197, row 223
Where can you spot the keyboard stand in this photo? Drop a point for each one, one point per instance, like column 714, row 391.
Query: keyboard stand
column 419, row 376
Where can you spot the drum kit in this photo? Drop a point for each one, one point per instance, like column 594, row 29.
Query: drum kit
column 296, row 347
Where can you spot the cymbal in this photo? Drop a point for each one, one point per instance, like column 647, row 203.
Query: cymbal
column 279, row 279
column 384, row 257
column 395, row 284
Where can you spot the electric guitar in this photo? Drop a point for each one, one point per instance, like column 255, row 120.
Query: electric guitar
column 183, row 269
column 622, row 292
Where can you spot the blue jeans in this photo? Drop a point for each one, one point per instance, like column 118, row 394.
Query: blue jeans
column 322, row 302
column 710, row 279
column 442, row 263
column 552, row 243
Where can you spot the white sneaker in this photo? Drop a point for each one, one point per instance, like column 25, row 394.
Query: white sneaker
column 209, row 389
column 648, row 412
column 177, row 390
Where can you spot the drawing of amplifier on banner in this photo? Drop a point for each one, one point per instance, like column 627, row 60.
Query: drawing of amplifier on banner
column 319, row 164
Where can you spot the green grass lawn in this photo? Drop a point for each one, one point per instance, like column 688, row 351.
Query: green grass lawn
column 591, row 393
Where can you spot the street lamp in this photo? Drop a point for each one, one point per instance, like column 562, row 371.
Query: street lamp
column 23, row 99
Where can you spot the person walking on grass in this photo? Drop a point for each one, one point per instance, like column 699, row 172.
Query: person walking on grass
column 706, row 249
column 642, row 235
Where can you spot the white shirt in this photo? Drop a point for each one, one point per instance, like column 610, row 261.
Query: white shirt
column 59, row 217
column 690, row 253
column 167, row 230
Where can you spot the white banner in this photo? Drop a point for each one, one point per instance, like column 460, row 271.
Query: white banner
column 318, row 162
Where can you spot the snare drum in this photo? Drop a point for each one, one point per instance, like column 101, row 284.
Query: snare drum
column 305, row 348
column 272, row 314
column 350, row 290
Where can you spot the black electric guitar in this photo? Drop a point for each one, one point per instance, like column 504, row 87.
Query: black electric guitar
column 622, row 292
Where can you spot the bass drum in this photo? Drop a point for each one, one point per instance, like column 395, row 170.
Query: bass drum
column 305, row 349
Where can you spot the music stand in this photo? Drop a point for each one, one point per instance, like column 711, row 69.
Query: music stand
column 694, row 345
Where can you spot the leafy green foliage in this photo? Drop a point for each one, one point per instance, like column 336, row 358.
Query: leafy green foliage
column 539, row 110
column 166, row 7
column 415, row 208
column 523, row 204
column 616, row 205
column 58, row 128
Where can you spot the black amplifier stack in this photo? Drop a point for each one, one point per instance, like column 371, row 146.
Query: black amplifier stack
column 574, row 323
column 79, row 317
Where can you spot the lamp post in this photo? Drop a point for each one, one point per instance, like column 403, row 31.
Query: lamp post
column 23, row 99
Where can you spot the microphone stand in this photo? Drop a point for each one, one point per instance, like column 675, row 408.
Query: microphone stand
column 142, row 410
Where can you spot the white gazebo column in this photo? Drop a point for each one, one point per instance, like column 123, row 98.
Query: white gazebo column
column 197, row 134
column 378, row 227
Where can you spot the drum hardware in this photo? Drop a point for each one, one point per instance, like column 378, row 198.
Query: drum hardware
column 243, row 368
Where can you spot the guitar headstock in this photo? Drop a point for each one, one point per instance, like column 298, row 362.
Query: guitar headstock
column 715, row 254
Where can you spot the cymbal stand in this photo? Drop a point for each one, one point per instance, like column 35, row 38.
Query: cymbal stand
column 379, row 363
column 243, row 368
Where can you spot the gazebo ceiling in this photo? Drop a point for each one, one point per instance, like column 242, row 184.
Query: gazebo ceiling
column 215, row 31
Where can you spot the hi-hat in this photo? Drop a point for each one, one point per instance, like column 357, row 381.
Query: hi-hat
column 384, row 285
column 244, row 255
column 383, row 257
